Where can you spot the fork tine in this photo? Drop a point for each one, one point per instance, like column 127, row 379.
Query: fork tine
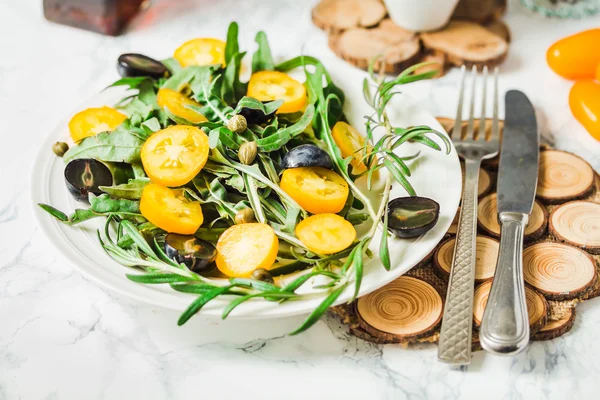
column 495, row 129
column 470, row 127
column 482, row 119
column 457, row 130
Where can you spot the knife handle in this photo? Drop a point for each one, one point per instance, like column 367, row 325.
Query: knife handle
column 505, row 324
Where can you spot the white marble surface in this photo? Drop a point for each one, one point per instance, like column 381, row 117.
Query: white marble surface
column 62, row 337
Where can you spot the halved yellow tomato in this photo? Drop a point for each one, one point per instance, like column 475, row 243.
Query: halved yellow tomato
column 201, row 51
column 170, row 210
column 174, row 156
column 326, row 233
column 243, row 248
column 318, row 190
column 274, row 85
column 351, row 143
column 92, row 121
column 178, row 104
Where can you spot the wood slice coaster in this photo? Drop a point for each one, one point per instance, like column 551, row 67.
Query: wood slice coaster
column 407, row 308
column 562, row 266
column 577, row 223
column 454, row 227
column 487, row 218
column 559, row 271
column 400, row 48
column 556, row 328
column 484, row 183
column 480, row 10
column 486, row 254
column 340, row 15
column 563, row 176
column 537, row 306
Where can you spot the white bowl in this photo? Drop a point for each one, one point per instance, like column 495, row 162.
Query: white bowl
column 420, row 15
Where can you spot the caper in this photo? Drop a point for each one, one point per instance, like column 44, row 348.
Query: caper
column 247, row 152
column 237, row 123
column 261, row 274
column 60, row 148
column 245, row 216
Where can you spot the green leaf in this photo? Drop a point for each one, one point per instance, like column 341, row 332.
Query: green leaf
column 172, row 65
column 139, row 240
column 137, row 106
column 253, row 104
column 318, row 312
column 157, row 278
column 262, row 60
column 384, row 251
column 231, row 46
column 132, row 82
column 281, row 137
column 59, row 215
column 195, row 287
column 231, row 87
column 104, row 204
column 399, row 177
column 301, row 280
column 358, row 268
column 254, row 284
column 150, row 126
column 117, row 146
column 201, row 302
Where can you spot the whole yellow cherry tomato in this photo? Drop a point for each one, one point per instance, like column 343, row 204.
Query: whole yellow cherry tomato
column 326, row 233
column 318, row 190
column 243, row 248
column 202, row 51
column 178, row 104
column 584, row 100
column 174, row 156
column 351, row 143
column 92, row 121
column 274, row 85
column 576, row 56
column 170, row 210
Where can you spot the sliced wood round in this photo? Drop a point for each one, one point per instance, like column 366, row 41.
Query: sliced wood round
column 467, row 43
column 577, row 223
column 486, row 254
column 484, row 183
column 454, row 227
column 487, row 217
column 559, row 271
column 498, row 27
column 537, row 306
column 556, row 328
column 407, row 308
column 339, row 15
column 563, row 177
column 400, row 48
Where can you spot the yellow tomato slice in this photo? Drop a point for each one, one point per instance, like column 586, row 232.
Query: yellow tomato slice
column 92, row 121
column 318, row 190
column 174, row 156
column 170, row 210
column 326, row 233
column 274, row 85
column 350, row 142
column 202, row 51
column 177, row 104
column 243, row 248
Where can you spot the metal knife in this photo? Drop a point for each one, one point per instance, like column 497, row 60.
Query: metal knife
column 505, row 324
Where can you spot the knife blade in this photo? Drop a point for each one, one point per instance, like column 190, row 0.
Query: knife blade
column 519, row 155
column 505, row 324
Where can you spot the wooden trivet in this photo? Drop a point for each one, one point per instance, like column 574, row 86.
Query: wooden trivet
column 359, row 31
column 561, row 262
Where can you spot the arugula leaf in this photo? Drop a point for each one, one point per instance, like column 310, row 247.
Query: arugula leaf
column 105, row 204
column 132, row 82
column 281, row 137
column 231, row 46
column 262, row 60
column 231, row 87
column 117, row 146
column 253, row 104
column 172, row 65
column 130, row 191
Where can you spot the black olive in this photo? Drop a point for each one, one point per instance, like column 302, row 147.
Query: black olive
column 412, row 216
column 84, row 176
column 261, row 274
column 255, row 116
column 307, row 155
column 195, row 253
column 133, row 64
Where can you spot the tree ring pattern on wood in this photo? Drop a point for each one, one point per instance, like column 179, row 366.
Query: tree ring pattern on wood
column 559, row 271
column 487, row 216
column 563, row 176
column 486, row 257
column 537, row 306
column 577, row 223
column 556, row 328
column 404, row 308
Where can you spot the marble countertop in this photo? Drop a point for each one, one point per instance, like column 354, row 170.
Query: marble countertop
column 63, row 337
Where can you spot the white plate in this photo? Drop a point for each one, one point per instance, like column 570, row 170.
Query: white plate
column 435, row 175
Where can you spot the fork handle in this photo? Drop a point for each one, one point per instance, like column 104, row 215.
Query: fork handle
column 505, row 323
column 455, row 336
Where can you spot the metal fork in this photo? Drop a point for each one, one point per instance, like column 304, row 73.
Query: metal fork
column 455, row 336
